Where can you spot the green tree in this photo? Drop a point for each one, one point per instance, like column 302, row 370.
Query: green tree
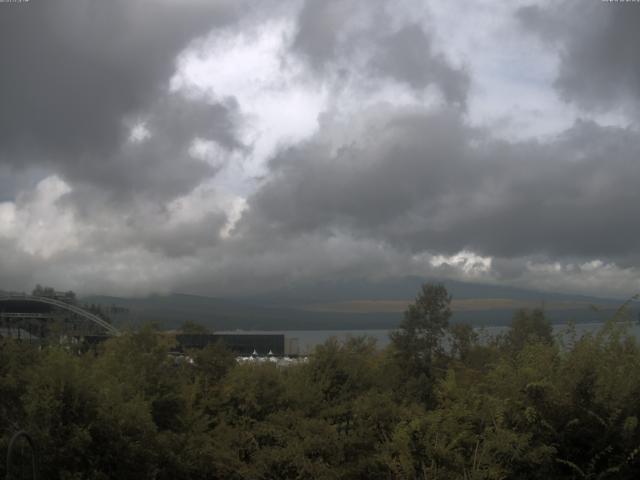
column 419, row 338
column 425, row 321
column 528, row 326
column 190, row 326
column 463, row 339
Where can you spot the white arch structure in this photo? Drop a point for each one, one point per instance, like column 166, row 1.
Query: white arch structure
column 111, row 330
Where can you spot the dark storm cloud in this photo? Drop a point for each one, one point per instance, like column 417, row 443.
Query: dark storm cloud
column 72, row 69
column 18, row 268
column 597, row 42
column 428, row 182
column 365, row 196
column 319, row 25
column 159, row 233
column 407, row 56
column 15, row 179
column 162, row 166
column 335, row 33
column 362, row 185
column 77, row 73
column 186, row 238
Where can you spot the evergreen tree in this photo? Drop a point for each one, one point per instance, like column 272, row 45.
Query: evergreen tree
column 419, row 339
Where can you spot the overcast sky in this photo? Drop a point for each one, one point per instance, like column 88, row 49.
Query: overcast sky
column 218, row 146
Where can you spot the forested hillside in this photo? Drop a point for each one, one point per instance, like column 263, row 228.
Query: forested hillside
column 523, row 405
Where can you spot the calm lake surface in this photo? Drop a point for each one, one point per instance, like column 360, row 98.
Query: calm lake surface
column 309, row 339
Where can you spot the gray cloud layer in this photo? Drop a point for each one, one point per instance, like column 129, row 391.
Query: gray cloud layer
column 379, row 189
column 160, row 167
column 428, row 182
column 407, row 55
column 73, row 69
column 336, row 33
column 77, row 73
column 597, row 42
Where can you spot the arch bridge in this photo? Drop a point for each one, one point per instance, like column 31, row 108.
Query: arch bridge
column 110, row 329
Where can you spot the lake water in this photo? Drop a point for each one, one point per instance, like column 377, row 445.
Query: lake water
column 307, row 340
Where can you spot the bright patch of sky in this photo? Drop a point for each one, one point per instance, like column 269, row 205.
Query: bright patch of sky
column 280, row 107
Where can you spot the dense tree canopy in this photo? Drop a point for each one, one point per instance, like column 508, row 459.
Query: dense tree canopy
column 518, row 406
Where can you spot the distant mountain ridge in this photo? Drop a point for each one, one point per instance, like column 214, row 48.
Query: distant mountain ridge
column 353, row 304
column 407, row 287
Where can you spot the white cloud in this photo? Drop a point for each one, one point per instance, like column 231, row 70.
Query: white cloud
column 280, row 105
column 139, row 132
column 467, row 262
column 37, row 222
